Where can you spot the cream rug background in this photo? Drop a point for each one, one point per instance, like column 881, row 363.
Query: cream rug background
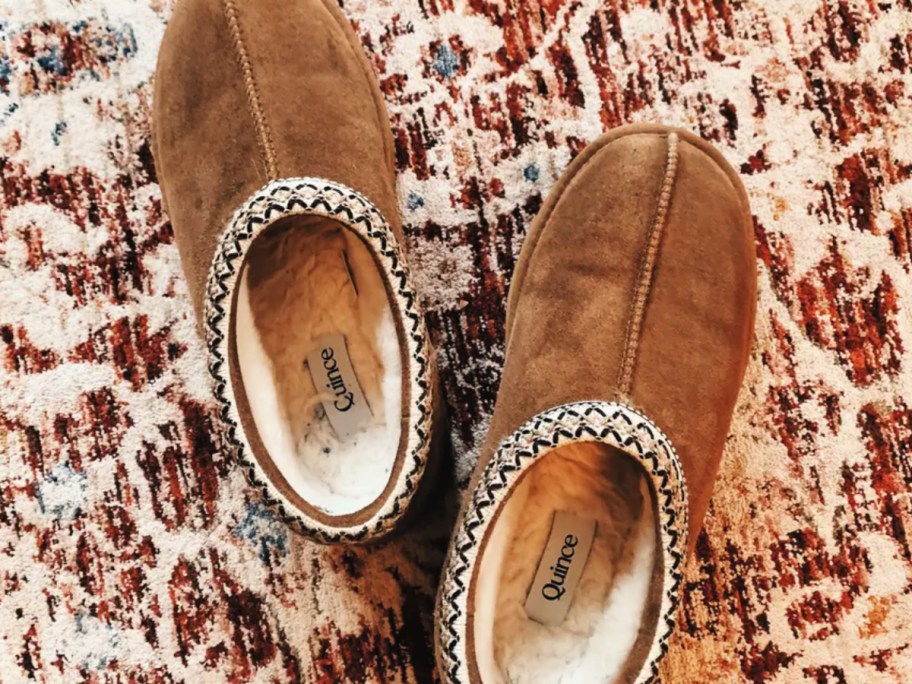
column 131, row 549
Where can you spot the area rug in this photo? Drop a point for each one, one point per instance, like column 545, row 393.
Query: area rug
column 131, row 549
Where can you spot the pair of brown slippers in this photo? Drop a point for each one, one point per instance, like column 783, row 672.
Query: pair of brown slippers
column 629, row 325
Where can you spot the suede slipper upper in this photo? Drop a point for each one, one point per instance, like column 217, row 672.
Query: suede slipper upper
column 629, row 328
column 276, row 162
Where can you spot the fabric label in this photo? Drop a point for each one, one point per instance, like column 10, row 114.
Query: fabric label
column 335, row 381
column 560, row 568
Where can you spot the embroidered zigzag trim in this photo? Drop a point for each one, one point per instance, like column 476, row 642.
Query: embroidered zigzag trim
column 315, row 196
column 613, row 424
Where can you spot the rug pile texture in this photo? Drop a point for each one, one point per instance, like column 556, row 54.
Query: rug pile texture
column 131, row 549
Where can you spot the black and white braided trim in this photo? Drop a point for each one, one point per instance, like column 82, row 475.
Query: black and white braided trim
column 288, row 197
column 613, row 424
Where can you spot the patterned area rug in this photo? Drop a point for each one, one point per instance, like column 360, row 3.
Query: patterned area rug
column 131, row 549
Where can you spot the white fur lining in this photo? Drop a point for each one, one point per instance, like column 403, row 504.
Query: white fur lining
column 320, row 198
column 338, row 476
column 593, row 642
column 604, row 621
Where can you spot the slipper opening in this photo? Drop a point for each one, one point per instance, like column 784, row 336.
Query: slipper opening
column 321, row 362
column 569, row 581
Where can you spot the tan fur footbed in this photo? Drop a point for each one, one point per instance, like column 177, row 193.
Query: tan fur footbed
column 595, row 640
column 307, row 277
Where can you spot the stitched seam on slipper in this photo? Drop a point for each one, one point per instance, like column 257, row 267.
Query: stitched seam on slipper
column 264, row 133
column 647, row 270
column 532, row 238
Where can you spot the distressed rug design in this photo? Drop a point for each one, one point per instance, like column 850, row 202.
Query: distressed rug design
column 131, row 549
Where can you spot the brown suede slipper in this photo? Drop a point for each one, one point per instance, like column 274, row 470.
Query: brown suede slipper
column 276, row 161
column 629, row 328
